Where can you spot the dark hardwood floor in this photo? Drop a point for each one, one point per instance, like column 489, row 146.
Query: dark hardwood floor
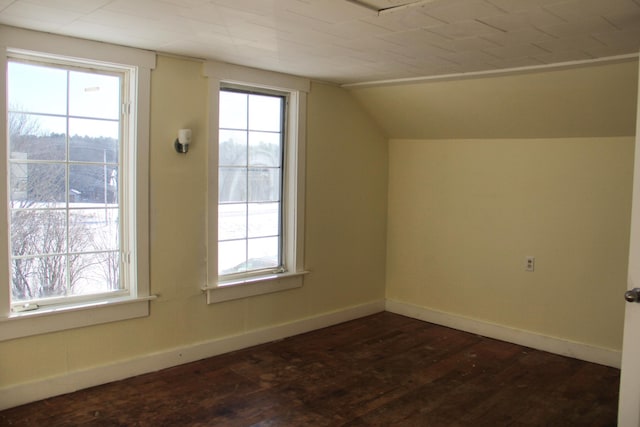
column 384, row 369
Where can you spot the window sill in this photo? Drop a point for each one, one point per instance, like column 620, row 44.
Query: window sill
column 236, row 289
column 61, row 317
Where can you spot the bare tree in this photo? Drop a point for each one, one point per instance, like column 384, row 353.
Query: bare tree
column 47, row 245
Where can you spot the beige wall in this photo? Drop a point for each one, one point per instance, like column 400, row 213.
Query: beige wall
column 345, row 235
column 486, row 171
column 346, row 201
column 463, row 214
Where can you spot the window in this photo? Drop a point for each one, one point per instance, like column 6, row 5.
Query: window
column 65, row 168
column 251, row 142
column 74, row 192
column 256, row 190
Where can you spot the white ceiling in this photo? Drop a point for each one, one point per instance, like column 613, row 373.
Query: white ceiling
column 344, row 42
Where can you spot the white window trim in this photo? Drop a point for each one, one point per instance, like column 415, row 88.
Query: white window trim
column 61, row 317
column 297, row 88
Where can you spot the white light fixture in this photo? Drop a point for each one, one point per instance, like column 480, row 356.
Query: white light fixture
column 182, row 142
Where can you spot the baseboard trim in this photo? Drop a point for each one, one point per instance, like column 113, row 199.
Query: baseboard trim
column 41, row 389
column 576, row 350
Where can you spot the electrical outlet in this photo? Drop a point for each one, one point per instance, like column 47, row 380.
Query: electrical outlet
column 530, row 263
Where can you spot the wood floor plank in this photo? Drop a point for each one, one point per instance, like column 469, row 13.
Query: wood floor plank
column 384, row 369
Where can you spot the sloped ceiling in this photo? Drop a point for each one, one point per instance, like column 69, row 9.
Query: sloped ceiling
column 591, row 101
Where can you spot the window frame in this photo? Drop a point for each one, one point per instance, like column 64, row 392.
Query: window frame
column 137, row 65
column 282, row 202
column 222, row 75
column 20, row 57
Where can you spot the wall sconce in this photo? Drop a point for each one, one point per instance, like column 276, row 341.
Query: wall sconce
column 182, row 142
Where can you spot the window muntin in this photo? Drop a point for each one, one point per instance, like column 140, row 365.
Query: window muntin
column 290, row 276
column 250, row 182
column 64, row 140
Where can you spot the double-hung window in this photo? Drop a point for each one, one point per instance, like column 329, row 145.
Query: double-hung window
column 251, row 146
column 65, row 176
column 256, row 182
column 73, row 192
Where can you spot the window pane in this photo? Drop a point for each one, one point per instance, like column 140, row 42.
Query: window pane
column 37, row 89
column 93, row 230
column 94, row 273
column 42, row 277
column 19, row 184
column 93, row 140
column 264, row 253
column 264, row 184
column 232, row 256
column 265, row 113
column 37, row 232
column 64, row 165
column 94, row 95
column 36, row 184
column 232, row 221
column 264, row 219
column 256, row 182
column 232, row 185
column 36, row 137
column 233, row 110
column 233, row 148
column 264, row 149
column 93, row 129
column 93, row 183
